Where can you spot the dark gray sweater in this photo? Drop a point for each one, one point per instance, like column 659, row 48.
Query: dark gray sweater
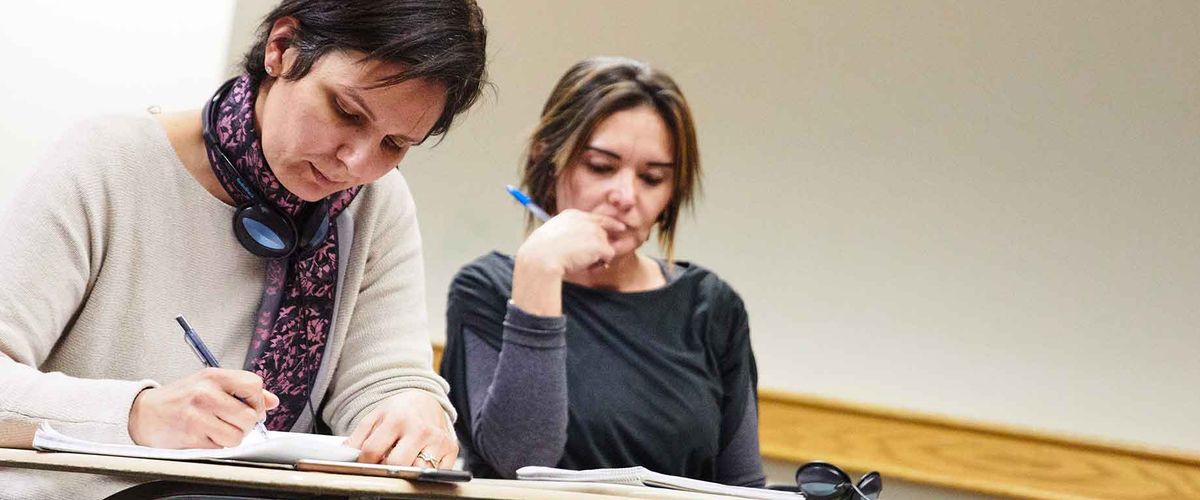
column 663, row 378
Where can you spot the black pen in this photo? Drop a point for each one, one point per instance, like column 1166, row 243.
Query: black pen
column 206, row 357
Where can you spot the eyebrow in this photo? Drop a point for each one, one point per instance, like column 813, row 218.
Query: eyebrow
column 354, row 96
column 617, row 156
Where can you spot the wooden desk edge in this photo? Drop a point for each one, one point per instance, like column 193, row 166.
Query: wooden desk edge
column 320, row 482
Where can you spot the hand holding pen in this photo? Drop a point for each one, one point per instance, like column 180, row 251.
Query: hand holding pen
column 569, row 242
column 210, row 408
column 193, row 340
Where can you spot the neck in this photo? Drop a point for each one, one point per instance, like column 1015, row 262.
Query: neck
column 625, row 273
column 260, row 101
column 183, row 130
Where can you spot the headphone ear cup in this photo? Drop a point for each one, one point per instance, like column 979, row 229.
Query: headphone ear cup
column 263, row 231
column 316, row 225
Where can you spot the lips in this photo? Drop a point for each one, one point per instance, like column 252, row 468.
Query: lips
column 321, row 177
column 629, row 228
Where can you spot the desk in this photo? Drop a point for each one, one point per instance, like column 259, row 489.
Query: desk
column 324, row 483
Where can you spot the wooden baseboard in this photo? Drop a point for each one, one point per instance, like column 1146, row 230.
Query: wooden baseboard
column 952, row 453
column 969, row 456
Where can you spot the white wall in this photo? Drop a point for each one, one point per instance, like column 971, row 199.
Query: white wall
column 67, row 60
column 976, row 209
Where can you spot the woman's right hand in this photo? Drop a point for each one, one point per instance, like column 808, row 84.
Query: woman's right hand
column 210, row 408
column 570, row 241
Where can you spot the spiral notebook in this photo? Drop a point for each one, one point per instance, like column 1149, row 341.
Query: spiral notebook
column 277, row 447
column 641, row 476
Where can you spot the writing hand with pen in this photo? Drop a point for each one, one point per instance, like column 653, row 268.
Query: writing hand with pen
column 218, row 408
column 211, row 408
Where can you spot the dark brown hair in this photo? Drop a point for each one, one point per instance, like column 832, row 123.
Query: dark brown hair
column 439, row 40
column 589, row 92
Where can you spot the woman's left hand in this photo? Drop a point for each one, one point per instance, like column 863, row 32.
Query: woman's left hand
column 410, row 428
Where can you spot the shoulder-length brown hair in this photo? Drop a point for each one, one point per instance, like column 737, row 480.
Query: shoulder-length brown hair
column 589, row 92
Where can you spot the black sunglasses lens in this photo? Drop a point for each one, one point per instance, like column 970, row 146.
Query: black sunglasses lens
column 870, row 485
column 822, row 490
column 818, row 480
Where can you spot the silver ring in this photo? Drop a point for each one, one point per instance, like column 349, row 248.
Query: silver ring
column 430, row 459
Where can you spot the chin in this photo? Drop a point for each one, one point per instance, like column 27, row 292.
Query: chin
column 310, row 198
column 625, row 246
column 315, row 190
column 305, row 189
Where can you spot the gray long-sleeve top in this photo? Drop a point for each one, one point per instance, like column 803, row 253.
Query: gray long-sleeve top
column 663, row 378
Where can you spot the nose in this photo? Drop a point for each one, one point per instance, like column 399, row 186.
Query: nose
column 357, row 155
column 351, row 158
column 621, row 191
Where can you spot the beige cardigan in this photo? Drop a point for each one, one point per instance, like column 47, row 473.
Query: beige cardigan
column 110, row 238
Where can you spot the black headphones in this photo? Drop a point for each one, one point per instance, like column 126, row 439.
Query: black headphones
column 259, row 226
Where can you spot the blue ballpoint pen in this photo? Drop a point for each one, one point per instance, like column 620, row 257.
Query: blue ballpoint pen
column 529, row 204
column 206, row 357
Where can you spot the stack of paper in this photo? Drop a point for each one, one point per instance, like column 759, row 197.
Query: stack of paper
column 641, row 476
column 278, row 447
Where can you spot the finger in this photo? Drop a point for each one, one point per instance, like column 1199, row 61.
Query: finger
column 223, row 434
column 609, row 224
column 437, row 447
column 405, row 451
column 362, row 430
column 196, row 436
column 449, row 453
column 234, row 412
column 245, row 386
column 601, row 262
column 379, row 442
column 210, row 431
column 226, row 434
column 271, row 399
column 604, row 237
column 604, row 254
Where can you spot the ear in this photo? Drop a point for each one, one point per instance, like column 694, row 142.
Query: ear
column 276, row 58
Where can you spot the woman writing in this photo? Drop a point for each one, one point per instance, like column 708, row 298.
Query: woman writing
column 580, row 352
column 317, row 293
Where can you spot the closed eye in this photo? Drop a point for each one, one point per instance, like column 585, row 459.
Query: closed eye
column 397, row 145
column 344, row 113
column 652, row 180
column 600, row 168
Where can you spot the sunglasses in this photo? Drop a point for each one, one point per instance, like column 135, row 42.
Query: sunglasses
column 825, row 481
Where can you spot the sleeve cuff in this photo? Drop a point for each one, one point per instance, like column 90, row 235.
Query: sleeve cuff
column 412, row 385
column 529, row 330
column 110, row 424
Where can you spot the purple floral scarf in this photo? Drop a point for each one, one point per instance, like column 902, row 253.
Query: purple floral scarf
column 296, row 312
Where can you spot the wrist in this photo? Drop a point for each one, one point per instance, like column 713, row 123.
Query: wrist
column 531, row 263
column 135, row 416
column 537, row 286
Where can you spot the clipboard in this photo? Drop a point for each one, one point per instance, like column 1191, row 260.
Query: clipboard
column 399, row 471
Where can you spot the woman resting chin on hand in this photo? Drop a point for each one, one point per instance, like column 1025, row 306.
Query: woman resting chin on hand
column 604, row 357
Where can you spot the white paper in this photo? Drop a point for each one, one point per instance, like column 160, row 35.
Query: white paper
column 641, row 476
column 278, row 447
